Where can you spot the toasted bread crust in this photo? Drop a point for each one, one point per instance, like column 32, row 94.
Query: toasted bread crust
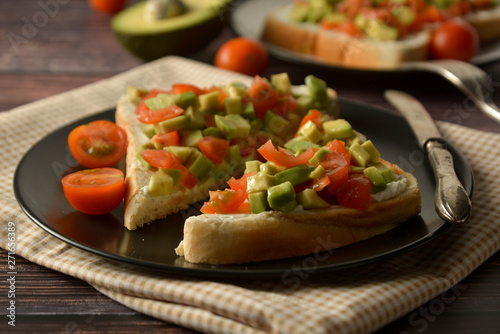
column 140, row 208
column 232, row 239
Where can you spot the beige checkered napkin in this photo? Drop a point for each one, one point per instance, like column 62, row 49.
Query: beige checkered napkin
column 358, row 300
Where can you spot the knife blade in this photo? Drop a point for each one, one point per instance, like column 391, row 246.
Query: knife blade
column 451, row 200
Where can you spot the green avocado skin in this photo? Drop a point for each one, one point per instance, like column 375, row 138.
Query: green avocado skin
column 182, row 42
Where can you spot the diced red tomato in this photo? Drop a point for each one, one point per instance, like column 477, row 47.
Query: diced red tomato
column 163, row 159
column 262, row 96
column 213, row 148
column 320, row 183
column 247, row 146
column 355, row 194
column 339, row 147
column 285, row 104
column 222, row 94
column 180, row 88
column 283, row 157
column 312, row 115
column 224, row 201
column 337, row 165
column 149, row 116
column 167, row 139
column 240, row 183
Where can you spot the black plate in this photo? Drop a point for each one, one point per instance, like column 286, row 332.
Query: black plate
column 39, row 192
column 248, row 20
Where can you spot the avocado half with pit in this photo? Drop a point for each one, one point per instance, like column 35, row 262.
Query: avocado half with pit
column 182, row 34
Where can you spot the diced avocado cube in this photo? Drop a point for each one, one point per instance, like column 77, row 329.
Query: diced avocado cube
column 222, row 172
column 196, row 118
column 404, row 15
column 234, row 154
column 201, row 167
column 335, row 17
column 280, row 195
column 379, row 30
column 318, row 172
column 258, row 201
column 233, row 126
column 370, row 148
column 248, row 111
column 182, row 153
column 191, row 138
column 299, row 13
column 318, row 156
column 337, row 129
column 162, row 101
column 309, row 199
column 135, row 94
column 386, row 172
column 316, row 13
column 209, row 102
column 233, row 105
column 148, row 129
column 255, row 126
column 188, row 99
column 212, row 132
column 294, row 119
column 305, row 103
column 317, row 90
column 236, row 89
column 277, row 124
column 295, row 146
column 160, row 184
column 252, row 166
column 356, row 169
column 311, row 132
column 259, row 182
column 290, row 206
column 375, row 176
column 360, row 21
column 295, row 175
column 359, row 154
column 281, row 82
column 175, row 174
column 269, row 168
column 177, row 123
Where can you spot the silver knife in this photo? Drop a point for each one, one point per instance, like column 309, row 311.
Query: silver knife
column 451, row 200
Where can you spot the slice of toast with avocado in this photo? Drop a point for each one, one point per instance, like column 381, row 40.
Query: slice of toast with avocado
column 328, row 183
column 186, row 140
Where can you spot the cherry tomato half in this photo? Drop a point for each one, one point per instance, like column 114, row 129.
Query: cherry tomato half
column 454, row 39
column 243, row 55
column 94, row 191
column 98, row 144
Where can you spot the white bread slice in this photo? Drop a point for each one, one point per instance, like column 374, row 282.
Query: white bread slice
column 240, row 238
column 141, row 208
column 487, row 23
column 343, row 50
column 340, row 49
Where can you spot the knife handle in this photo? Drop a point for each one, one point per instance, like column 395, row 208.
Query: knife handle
column 451, row 200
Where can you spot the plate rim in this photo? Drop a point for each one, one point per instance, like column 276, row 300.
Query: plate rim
column 226, row 272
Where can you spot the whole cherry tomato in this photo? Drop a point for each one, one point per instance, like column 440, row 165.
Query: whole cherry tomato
column 243, row 55
column 454, row 39
column 107, row 6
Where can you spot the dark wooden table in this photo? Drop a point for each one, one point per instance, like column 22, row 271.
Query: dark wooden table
column 52, row 46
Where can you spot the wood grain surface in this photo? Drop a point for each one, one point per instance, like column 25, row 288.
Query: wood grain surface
column 71, row 45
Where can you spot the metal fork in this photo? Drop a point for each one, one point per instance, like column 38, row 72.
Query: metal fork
column 468, row 78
